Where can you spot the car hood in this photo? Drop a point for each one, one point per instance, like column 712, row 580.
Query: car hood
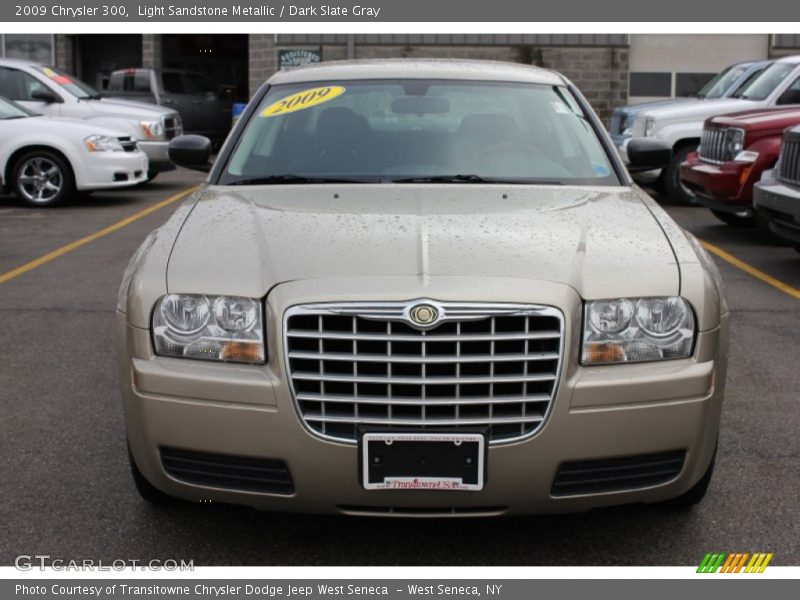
column 697, row 109
column 769, row 118
column 127, row 108
column 63, row 126
column 602, row 241
column 632, row 109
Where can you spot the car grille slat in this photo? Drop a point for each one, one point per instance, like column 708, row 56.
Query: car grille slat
column 357, row 364
column 428, row 359
column 712, row 145
column 789, row 171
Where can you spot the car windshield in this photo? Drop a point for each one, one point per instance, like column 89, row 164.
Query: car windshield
column 719, row 84
column 12, row 110
column 766, row 83
column 417, row 131
column 74, row 86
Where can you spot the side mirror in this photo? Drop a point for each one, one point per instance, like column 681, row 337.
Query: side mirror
column 647, row 154
column 45, row 95
column 191, row 151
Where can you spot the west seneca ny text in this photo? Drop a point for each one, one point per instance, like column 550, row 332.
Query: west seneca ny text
column 278, row 11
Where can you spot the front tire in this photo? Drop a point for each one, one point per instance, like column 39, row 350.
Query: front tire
column 42, row 178
column 735, row 219
column 673, row 185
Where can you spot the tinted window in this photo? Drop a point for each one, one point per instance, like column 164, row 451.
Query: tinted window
column 766, row 83
column 130, row 81
column 18, row 85
column 67, row 82
column 389, row 130
column 721, row 82
column 791, row 95
column 9, row 110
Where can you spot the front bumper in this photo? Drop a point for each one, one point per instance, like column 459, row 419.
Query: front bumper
column 599, row 412
column 106, row 170
column 727, row 186
column 158, row 155
column 779, row 205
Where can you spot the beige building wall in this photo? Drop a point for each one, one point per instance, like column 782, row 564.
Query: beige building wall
column 686, row 53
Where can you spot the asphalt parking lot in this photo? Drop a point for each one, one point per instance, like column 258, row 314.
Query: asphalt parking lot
column 65, row 488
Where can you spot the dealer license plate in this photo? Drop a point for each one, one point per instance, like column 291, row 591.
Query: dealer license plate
column 394, row 460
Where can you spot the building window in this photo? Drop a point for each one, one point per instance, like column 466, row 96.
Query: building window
column 37, row 47
column 651, row 84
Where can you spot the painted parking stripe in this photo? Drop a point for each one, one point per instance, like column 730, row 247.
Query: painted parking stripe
column 51, row 256
column 757, row 273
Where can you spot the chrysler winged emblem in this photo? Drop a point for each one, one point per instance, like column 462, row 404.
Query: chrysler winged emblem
column 423, row 315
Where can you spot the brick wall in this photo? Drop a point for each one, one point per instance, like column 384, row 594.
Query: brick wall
column 262, row 59
column 64, row 52
column 152, row 55
column 601, row 74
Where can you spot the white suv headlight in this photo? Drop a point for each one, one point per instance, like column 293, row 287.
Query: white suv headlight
column 222, row 328
column 152, row 130
column 649, row 127
column 625, row 330
column 102, row 143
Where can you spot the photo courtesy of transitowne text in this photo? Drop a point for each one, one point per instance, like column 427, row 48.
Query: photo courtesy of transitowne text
column 399, row 300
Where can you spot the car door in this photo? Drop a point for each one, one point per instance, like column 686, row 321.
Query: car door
column 20, row 86
column 211, row 112
column 174, row 95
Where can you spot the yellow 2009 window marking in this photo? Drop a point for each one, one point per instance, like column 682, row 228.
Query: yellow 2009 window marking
column 304, row 99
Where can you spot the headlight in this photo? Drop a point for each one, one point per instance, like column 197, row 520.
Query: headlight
column 649, row 127
column 152, row 130
column 734, row 142
column 209, row 327
column 102, row 143
column 626, row 330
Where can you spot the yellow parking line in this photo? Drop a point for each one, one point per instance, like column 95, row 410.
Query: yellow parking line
column 50, row 256
column 758, row 274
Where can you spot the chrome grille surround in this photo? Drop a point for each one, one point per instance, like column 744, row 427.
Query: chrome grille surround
column 494, row 365
column 712, row 145
column 789, row 169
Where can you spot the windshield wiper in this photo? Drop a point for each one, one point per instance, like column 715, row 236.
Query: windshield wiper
column 457, row 178
column 292, row 178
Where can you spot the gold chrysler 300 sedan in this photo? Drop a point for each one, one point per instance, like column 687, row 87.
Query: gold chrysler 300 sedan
column 421, row 288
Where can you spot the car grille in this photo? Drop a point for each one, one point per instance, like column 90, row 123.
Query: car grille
column 128, row 144
column 364, row 365
column 617, row 474
column 173, row 126
column 712, row 145
column 790, row 160
column 228, row 472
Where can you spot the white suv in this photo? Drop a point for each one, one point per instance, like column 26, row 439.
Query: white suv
column 681, row 125
column 51, row 92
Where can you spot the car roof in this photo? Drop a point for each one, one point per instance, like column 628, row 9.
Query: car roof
column 794, row 59
column 19, row 62
column 478, row 70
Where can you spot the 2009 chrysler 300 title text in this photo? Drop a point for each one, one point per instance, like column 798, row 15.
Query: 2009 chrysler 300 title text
column 421, row 288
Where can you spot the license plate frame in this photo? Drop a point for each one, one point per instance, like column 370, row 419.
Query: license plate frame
column 422, row 460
